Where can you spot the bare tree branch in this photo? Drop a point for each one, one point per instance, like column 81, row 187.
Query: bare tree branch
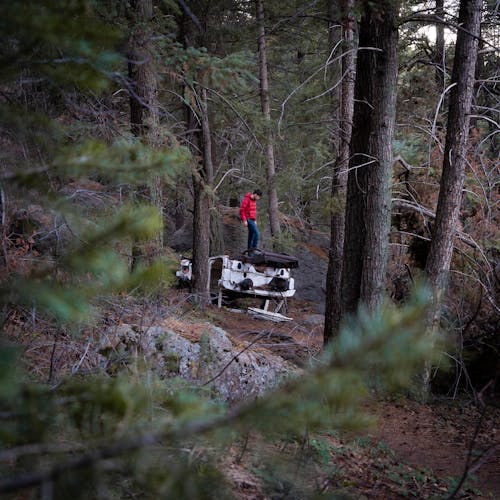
column 190, row 13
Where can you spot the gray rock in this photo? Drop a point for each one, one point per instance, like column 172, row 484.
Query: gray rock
column 210, row 358
column 310, row 277
column 182, row 239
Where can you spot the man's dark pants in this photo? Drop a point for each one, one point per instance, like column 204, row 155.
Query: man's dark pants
column 253, row 234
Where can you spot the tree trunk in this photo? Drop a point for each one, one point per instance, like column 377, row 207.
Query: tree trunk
column 454, row 161
column 478, row 97
column 439, row 54
column 203, row 180
column 199, row 140
column 344, row 103
column 369, row 180
column 266, row 111
column 144, row 105
column 3, row 228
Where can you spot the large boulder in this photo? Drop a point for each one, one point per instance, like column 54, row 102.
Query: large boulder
column 201, row 353
column 181, row 240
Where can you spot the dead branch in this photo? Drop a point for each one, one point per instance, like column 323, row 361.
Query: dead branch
column 311, row 76
column 434, row 19
column 434, row 123
column 426, row 212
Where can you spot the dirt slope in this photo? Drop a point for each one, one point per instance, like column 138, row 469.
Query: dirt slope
column 438, row 436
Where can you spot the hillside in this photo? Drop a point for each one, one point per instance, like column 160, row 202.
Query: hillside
column 411, row 449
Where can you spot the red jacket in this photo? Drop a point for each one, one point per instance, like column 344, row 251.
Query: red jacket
column 248, row 208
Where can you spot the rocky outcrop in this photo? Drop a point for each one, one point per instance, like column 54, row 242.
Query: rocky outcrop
column 200, row 353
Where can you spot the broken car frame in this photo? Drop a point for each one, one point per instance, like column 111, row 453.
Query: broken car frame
column 264, row 275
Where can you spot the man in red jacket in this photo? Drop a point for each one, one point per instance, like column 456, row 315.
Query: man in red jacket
column 248, row 215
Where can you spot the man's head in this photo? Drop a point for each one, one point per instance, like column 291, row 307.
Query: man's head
column 257, row 194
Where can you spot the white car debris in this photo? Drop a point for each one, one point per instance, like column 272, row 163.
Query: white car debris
column 263, row 274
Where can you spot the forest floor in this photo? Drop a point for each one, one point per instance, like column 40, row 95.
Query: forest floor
column 419, row 450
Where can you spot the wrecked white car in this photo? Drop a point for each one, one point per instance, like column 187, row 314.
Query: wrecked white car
column 263, row 274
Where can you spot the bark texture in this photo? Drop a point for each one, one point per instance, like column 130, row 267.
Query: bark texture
column 439, row 50
column 202, row 181
column 455, row 152
column 266, row 111
column 343, row 104
column 199, row 140
column 369, row 179
column 144, row 105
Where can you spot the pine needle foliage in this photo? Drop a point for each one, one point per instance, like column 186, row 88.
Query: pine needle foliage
column 59, row 42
